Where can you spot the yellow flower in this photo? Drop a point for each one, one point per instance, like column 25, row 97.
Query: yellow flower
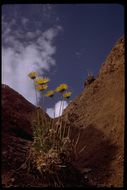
column 67, row 94
column 50, row 93
column 41, row 87
column 57, row 89
column 33, row 75
column 61, row 88
column 41, row 80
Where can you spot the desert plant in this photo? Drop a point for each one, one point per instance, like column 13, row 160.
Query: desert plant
column 89, row 79
column 50, row 153
column 33, row 75
column 61, row 88
column 40, row 84
column 66, row 95
column 50, row 94
column 52, row 147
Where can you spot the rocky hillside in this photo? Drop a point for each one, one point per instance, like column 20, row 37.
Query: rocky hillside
column 99, row 114
column 17, row 114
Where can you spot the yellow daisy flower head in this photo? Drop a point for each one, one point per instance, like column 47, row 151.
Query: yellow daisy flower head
column 61, row 88
column 41, row 87
column 57, row 89
column 42, row 80
column 67, row 94
column 50, row 93
column 33, row 75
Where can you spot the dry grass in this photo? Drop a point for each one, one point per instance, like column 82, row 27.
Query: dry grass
column 52, row 150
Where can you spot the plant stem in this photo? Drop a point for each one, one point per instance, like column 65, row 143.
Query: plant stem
column 60, row 128
column 43, row 100
column 35, row 94
column 60, row 108
column 52, row 127
column 36, row 104
column 63, row 126
column 43, row 108
column 54, row 111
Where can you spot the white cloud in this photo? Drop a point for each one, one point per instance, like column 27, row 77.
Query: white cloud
column 19, row 57
column 59, row 107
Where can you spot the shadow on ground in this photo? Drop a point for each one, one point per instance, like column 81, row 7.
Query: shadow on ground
column 97, row 155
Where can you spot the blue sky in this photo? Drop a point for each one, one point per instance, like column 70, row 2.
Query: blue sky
column 61, row 41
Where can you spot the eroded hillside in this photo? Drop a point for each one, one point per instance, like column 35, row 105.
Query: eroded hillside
column 99, row 113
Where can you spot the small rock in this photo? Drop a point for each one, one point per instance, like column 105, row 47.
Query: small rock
column 87, row 170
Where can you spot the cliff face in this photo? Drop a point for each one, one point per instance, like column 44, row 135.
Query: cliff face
column 99, row 114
